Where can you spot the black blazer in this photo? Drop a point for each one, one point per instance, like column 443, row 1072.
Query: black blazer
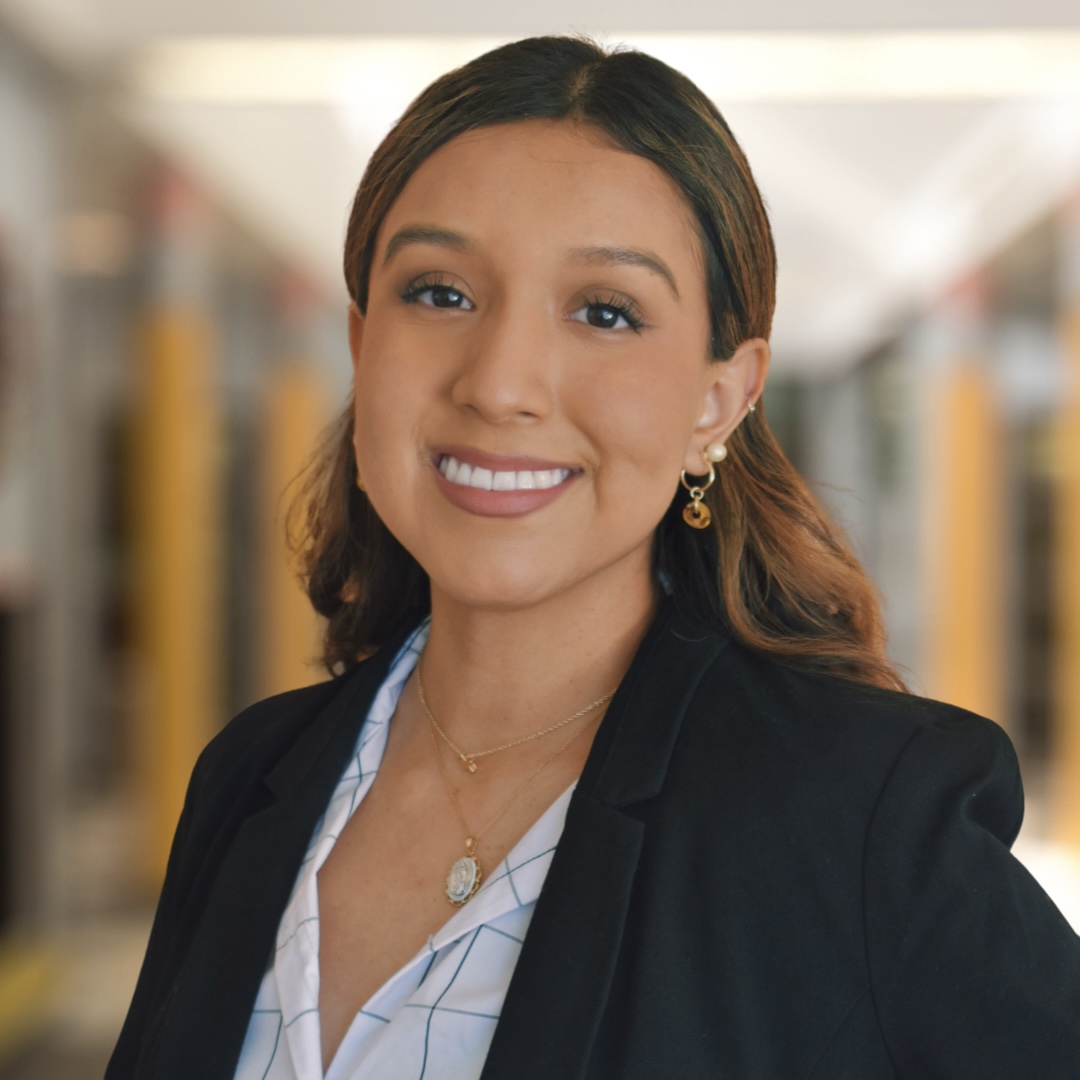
column 764, row 875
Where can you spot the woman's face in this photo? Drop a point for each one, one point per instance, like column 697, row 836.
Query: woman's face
column 532, row 372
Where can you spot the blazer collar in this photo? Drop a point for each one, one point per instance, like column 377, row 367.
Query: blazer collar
column 632, row 749
column 561, row 984
column 329, row 737
column 212, row 996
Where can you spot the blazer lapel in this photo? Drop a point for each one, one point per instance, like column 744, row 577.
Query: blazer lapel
column 563, row 977
column 212, row 998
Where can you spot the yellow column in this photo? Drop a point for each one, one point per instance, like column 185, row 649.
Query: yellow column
column 963, row 534
column 29, row 973
column 178, row 536
column 1067, row 558
column 295, row 409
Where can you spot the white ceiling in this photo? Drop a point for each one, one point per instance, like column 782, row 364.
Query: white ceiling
column 102, row 26
column 881, row 192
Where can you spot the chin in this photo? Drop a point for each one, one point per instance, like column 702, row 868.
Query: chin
column 495, row 588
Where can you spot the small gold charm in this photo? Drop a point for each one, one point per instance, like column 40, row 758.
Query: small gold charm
column 697, row 514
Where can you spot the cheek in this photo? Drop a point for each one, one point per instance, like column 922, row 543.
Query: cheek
column 640, row 424
column 389, row 393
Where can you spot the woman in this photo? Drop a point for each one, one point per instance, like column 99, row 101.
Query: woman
column 624, row 785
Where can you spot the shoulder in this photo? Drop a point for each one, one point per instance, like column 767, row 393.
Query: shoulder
column 809, row 712
column 278, row 742
column 260, row 737
column 277, row 718
column 832, row 748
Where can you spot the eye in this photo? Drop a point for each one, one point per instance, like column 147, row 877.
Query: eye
column 436, row 294
column 610, row 314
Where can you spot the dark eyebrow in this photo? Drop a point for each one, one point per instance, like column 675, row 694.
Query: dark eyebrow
column 628, row 257
column 421, row 234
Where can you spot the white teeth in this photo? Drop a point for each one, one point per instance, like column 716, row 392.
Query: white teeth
column 457, row 472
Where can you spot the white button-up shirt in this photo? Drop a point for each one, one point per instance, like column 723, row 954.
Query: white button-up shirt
column 435, row 1018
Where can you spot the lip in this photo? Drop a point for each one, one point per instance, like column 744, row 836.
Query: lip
column 498, row 503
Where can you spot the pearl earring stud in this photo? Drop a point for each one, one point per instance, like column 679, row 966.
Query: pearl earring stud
column 715, row 452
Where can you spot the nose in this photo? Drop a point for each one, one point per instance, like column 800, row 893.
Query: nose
column 507, row 365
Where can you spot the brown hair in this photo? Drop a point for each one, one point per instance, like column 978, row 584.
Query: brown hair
column 772, row 570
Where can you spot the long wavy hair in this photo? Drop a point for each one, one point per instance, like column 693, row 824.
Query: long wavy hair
column 772, row 570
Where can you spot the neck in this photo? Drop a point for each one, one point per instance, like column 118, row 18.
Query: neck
column 492, row 675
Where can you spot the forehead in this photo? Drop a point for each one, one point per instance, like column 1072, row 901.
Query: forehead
column 544, row 183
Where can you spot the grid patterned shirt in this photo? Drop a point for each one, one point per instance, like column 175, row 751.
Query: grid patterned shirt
column 434, row 1019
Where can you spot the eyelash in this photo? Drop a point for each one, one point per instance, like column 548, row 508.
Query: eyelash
column 416, row 289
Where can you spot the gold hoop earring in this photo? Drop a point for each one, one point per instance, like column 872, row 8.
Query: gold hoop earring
column 696, row 514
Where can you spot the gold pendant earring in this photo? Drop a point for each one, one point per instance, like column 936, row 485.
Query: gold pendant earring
column 696, row 514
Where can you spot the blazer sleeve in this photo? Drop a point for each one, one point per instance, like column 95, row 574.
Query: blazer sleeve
column 973, row 970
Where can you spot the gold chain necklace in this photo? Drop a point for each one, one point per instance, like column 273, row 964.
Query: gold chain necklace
column 466, row 873
column 469, row 760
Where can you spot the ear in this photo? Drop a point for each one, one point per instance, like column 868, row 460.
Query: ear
column 730, row 388
column 356, row 333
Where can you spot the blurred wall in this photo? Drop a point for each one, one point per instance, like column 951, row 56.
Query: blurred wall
column 33, row 610
column 951, row 457
column 163, row 377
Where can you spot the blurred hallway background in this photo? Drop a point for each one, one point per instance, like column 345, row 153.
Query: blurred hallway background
column 174, row 186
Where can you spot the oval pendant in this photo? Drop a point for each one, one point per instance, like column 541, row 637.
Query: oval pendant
column 463, row 880
column 697, row 514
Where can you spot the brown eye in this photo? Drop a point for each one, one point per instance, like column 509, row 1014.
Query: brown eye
column 442, row 296
column 602, row 316
column 439, row 296
column 608, row 316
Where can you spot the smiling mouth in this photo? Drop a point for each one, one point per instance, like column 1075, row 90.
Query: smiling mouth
column 464, row 475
